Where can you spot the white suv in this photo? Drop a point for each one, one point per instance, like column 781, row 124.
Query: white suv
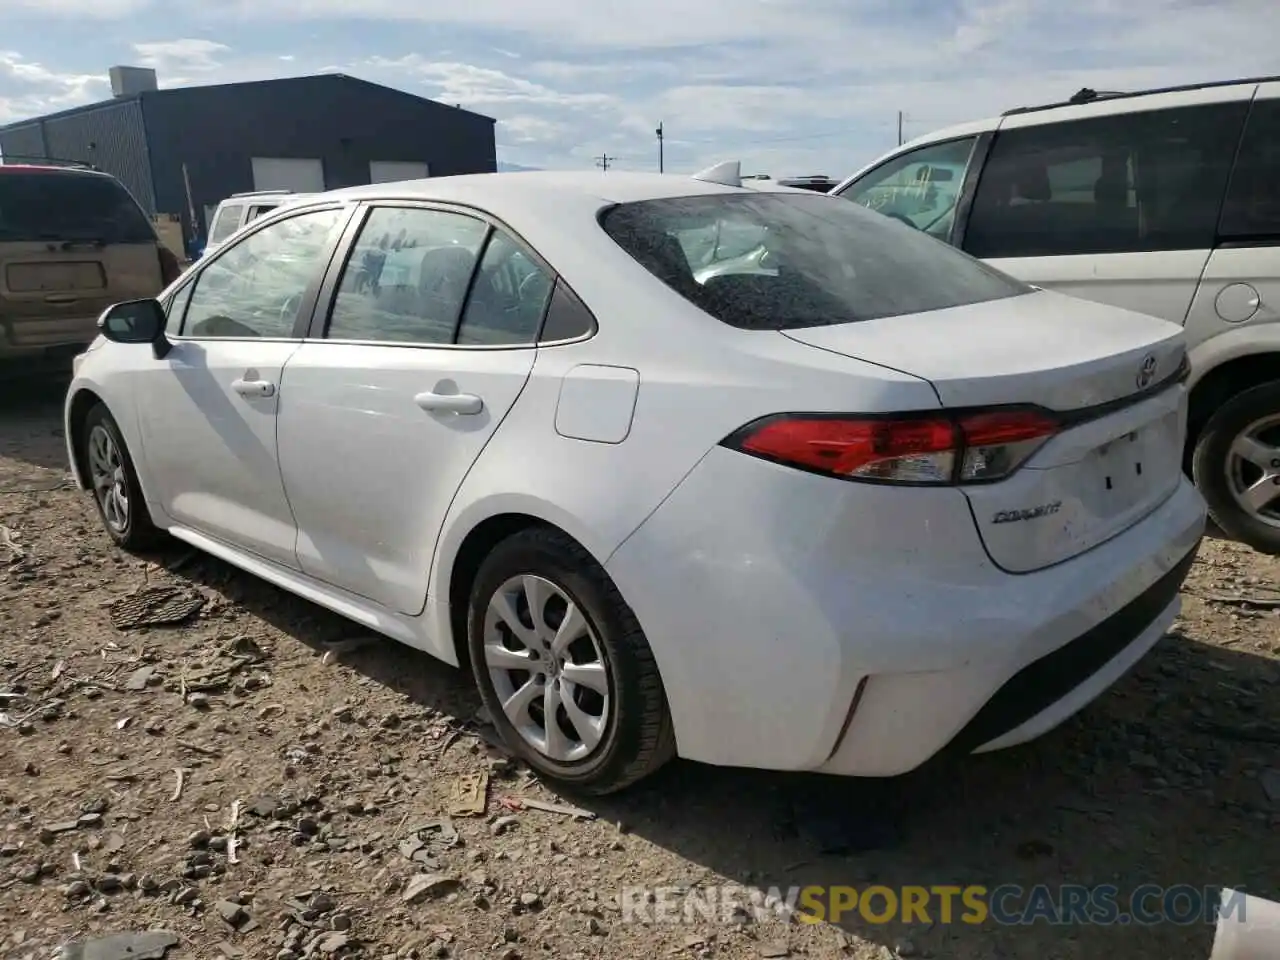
column 1164, row 201
column 241, row 208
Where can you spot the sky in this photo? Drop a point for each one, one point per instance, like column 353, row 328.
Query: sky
column 789, row 87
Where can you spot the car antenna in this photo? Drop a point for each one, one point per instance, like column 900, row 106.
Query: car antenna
column 728, row 173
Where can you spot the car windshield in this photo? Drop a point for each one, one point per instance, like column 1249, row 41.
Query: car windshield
column 783, row 261
column 61, row 206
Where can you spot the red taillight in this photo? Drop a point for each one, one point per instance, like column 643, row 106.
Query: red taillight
column 170, row 266
column 911, row 448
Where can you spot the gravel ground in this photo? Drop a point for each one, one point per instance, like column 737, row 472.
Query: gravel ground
column 262, row 781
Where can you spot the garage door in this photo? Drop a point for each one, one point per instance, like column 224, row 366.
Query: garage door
column 303, row 175
column 389, row 171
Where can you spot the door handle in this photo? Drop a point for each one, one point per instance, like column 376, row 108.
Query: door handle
column 254, row 388
column 466, row 404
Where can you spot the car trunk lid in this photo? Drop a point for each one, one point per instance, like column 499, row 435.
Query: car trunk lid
column 1110, row 374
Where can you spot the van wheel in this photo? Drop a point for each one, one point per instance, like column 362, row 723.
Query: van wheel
column 1236, row 465
column 116, row 491
column 563, row 667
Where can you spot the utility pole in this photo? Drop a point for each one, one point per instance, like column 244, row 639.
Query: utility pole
column 899, row 128
column 604, row 160
column 660, row 157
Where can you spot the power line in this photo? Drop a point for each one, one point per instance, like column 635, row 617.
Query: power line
column 604, row 160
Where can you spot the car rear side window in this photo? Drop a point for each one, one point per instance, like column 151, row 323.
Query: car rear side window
column 1252, row 208
column 407, row 276
column 225, row 223
column 65, row 205
column 817, row 260
column 1128, row 183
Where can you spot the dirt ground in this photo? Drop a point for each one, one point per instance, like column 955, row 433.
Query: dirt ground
column 260, row 784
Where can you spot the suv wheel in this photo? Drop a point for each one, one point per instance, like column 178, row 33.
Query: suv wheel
column 1236, row 465
column 563, row 666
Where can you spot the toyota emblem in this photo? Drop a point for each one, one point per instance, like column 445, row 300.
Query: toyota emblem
column 1147, row 372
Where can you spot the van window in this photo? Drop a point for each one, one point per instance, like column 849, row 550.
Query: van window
column 226, row 223
column 920, row 188
column 69, row 205
column 1253, row 199
column 1127, row 183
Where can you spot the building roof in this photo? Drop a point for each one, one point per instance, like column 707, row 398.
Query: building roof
column 248, row 85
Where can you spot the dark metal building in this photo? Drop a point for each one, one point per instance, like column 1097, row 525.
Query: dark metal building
column 183, row 150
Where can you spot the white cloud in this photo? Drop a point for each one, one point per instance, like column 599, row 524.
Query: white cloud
column 481, row 86
column 185, row 55
column 29, row 88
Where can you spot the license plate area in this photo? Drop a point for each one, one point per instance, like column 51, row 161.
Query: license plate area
column 66, row 277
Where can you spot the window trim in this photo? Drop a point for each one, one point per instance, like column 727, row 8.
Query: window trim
column 974, row 161
column 317, row 329
column 305, row 306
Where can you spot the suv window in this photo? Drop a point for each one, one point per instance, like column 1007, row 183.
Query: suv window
column 226, row 222
column 1128, row 183
column 1252, row 207
column 407, row 276
column 68, row 205
column 254, row 287
column 258, row 209
column 825, row 261
column 919, row 188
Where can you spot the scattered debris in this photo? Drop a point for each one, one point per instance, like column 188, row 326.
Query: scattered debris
column 7, row 541
column 154, row 607
column 428, row 886
column 180, row 781
column 151, row 945
column 468, row 795
column 561, row 809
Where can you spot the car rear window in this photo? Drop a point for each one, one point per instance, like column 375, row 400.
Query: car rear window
column 59, row 205
column 785, row 261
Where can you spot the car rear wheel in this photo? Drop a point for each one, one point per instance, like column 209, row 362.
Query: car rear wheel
column 563, row 666
column 116, row 490
column 1236, row 465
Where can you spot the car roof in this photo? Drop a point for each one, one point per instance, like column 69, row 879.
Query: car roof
column 516, row 188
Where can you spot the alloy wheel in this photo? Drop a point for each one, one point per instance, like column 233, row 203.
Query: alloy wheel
column 110, row 483
column 548, row 668
column 1253, row 470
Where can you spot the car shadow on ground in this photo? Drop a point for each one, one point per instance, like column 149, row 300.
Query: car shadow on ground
column 31, row 429
column 1156, row 783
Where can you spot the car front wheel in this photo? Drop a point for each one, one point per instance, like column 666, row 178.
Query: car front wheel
column 116, row 490
column 1236, row 466
column 563, row 666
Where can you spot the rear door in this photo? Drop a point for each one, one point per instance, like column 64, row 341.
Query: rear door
column 1240, row 288
column 72, row 243
column 1109, row 204
column 407, row 377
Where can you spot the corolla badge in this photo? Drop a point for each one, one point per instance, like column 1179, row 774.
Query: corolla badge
column 1147, row 372
column 1029, row 513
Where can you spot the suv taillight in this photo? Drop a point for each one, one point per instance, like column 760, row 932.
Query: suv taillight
column 934, row 449
column 170, row 266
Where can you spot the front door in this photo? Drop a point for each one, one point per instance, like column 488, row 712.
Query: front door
column 390, row 407
column 208, row 409
column 1119, row 209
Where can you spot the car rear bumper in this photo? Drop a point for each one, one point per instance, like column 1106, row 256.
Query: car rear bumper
column 803, row 623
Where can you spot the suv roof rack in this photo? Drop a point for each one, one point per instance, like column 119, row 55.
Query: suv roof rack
column 1087, row 95
column 260, row 193
column 19, row 159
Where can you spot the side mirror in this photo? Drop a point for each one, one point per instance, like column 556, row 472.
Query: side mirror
column 136, row 321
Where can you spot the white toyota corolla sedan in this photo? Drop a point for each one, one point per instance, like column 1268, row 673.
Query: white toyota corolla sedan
column 859, row 502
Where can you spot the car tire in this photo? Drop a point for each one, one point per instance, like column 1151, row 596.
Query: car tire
column 637, row 735
column 103, row 446
column 1212, row 465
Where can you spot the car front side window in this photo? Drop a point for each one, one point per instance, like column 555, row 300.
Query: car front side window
column 255, row 287
column 919, row 188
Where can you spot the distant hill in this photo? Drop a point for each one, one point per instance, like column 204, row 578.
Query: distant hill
column 504, row 167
